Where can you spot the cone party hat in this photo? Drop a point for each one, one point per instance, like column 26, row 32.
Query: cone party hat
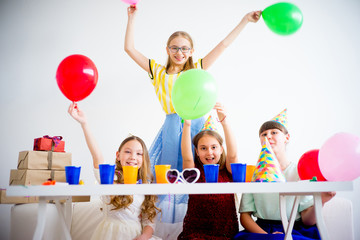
column 209, row 125
column 267, row 167
column 281, row 118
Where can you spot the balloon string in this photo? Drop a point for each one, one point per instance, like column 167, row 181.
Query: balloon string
column 197, row 103
column 169, row 202
column 181, row 127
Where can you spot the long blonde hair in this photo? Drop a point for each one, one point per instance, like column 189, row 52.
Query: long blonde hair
column 148, row 207
column 189, row 63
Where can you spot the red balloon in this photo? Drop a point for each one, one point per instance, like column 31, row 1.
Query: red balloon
column 76, row 77
column 308, row 166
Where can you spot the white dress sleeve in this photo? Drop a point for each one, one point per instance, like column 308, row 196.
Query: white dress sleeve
column 105, row 199
column 146, row 222
column 97, row 174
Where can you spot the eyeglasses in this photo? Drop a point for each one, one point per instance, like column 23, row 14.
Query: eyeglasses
column 175, row 49
column 189, row 175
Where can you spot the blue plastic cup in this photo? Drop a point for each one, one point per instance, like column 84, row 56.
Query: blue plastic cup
column 107, row 172
column 72, row 174
column 211, row 173
column 238, row 172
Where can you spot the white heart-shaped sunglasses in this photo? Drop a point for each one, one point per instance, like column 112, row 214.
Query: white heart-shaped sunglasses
column 189, row 175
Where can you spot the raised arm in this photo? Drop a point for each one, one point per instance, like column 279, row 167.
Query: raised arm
column 79, row 116
column 231, row 147
column 129, row 47
column 211, row 57
column 186, row 150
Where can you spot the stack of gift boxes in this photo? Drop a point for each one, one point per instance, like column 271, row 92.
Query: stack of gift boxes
column 47, row 161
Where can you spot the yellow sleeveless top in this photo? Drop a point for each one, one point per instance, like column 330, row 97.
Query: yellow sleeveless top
column 163, row 83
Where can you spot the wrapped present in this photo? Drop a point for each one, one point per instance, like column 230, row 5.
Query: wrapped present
column 44, row 160
column 32, row 199
column 35, row 177
column 15, row 200
column 47, row 143
column 81, row 198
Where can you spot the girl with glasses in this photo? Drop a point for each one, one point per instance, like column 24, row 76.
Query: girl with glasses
column 166, row 146
column 210, row 216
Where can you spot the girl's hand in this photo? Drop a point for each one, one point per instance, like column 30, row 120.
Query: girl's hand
column 220, row 112
column 277, row 233
column 131, row 11
column 327, row 196
column 253, row 16
column 76, row 113
column 142, row 237
column 187, row 122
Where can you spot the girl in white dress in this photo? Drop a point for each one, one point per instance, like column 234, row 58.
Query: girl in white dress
column 128, row 216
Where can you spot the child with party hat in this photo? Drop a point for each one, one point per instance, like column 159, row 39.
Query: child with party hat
column 267, row 168
column 274, row 136
column 210, row 216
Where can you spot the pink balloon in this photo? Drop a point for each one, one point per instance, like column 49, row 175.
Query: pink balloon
column 131, row 2
column 339, row 157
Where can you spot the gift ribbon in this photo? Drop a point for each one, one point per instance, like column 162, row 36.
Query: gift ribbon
column 52, row 175
column 55, row 139
column 49, row 158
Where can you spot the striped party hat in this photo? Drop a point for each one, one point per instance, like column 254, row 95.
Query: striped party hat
column 281, row 118
column 267, row 167
column 209, row 125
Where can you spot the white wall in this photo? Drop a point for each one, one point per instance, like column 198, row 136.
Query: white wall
column 314, row 73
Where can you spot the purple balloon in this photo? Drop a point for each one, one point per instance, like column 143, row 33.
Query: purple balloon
column 339, row 157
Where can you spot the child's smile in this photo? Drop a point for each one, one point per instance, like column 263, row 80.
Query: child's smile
column 210, row 160
column 131, row 154
column 179, row 50
column 209, row 150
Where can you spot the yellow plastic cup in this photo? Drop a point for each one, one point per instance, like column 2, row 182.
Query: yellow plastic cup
column 130, row 174
column 249, row 172
column 160, row 172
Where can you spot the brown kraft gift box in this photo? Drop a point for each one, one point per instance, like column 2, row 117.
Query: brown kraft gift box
column 43, row 160
column 15, row 200
column 35, row 177
column 31, row 199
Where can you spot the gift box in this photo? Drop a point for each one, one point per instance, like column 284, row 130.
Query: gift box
column 47, row 143
column 31, row 199
column 81, row 198
column 15, row 200
column 35, row 177
column 43, row 160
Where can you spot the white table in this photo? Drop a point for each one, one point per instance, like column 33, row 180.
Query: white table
column 296, row 189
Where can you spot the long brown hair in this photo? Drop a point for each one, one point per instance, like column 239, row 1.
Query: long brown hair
column 148, row 207
column 216, row 135
column 189, row 63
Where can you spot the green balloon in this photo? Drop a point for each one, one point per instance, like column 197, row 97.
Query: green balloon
column 194, row 94
column 283, row 18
